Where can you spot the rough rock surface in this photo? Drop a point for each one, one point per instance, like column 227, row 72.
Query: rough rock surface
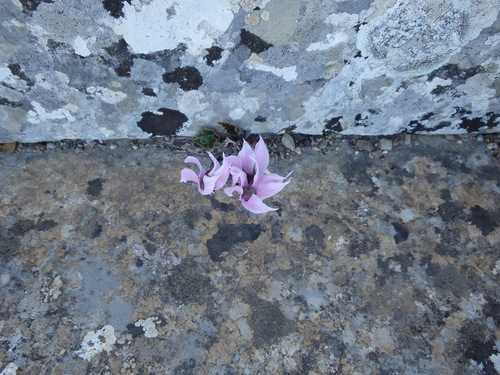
column 377, row 262
column 113, row 69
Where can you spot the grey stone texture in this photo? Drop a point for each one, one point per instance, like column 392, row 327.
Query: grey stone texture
column 377, row 262
column 135, row 68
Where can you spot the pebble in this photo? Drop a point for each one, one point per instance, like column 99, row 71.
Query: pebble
column 480, row 138
column 288, row 141
column 407, row 139
column 4, row 279
column 492, row 146
column 385, row 144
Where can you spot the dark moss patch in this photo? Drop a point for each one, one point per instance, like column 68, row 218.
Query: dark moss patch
column 31, row 5
column 354, row 170
column 359, row 120
column 115, row 7
column 148, row 91
column 53, row 45
column 9, row 103
column 45, row 225
column 253, row 42
column 450, row 240
column 490, row 120
column 450, row 211
column 315, row 237
column 492, row 309
column 9, row 245
column 484, row 220
column 150, row 248
column 188, row 284
column 135, row 331
column 187, row 367
column 401, row 233
column 276, row 232
column 168, row 59
column 96, row 231
column 333, row 125
column 21, row 227
column 188, row 78
column 214, row 54
column 452, row 71
column 440, row 90
column 219, row 206
column 260, row 119
column 448, row 280
column 121, row 58
column 416, row 126
column 477, row 346
column 360, row 246
column 489, row 173
column 95, row 187
column 229, row 236
column 267, row 322
column 190, row 218
column 168, row 123
column 16, row 70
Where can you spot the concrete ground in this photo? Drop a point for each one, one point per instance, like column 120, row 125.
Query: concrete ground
column 377, row 262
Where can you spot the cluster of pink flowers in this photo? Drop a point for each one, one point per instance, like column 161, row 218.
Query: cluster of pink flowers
column 250, row 178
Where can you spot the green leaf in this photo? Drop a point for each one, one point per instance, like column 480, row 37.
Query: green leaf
column 231, row 129
column 206, row 138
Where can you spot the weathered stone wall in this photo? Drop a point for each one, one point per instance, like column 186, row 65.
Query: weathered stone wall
column 100, row 69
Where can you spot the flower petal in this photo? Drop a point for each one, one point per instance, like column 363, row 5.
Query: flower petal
column 208, row 185
column 214, row 160
column 189, row 175
column 261, row 160
column 254, row 204
column 239, row 176
column 245, row 155
column 230, row 190
column 270, row 184
column 192, row 159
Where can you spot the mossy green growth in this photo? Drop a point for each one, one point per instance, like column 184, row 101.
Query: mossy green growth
column 206, row 138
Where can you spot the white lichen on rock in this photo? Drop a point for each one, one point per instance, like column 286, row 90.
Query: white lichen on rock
column 96, row 342
column 147, row 29
column 414, row 38
column 149, row 326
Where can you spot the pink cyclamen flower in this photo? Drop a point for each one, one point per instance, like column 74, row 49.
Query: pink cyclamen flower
column 207, row 182
column 251, row 180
